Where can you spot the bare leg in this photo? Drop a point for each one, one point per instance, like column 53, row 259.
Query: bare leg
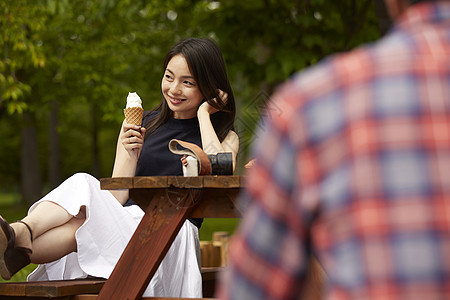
column 56, row 242
column 46, row 216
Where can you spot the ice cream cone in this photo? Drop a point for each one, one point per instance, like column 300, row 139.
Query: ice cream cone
column 133, row 115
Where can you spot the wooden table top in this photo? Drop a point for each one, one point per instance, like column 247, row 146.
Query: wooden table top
column 220, row 192
column 157, row 182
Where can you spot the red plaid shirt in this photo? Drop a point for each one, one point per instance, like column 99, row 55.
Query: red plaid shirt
column 353, row 166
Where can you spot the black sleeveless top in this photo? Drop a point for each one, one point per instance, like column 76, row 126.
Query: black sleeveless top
column 156, row 158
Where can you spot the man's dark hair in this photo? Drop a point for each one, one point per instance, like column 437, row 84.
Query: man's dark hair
column 418, row 1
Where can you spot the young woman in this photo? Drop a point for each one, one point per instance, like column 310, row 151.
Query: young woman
column 78, row 230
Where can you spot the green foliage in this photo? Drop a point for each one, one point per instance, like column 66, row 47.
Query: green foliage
column 10, row 154
column 270, row 40
column 87, row 55
column 265, row 42
column 21, row 23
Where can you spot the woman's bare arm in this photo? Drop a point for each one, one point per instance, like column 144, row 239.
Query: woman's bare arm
column 129, row 146
column 210, row 141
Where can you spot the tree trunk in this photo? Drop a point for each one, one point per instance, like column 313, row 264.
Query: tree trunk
column 95, row 149
column 31, row 182
column 384, row 20
column 54, row 172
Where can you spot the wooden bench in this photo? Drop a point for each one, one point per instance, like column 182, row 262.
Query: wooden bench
column 82, row 288
column 61, row 289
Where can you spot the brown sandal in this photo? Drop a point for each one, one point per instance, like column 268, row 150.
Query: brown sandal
column 12, row 258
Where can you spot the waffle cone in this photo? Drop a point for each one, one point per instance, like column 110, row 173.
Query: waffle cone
column 133, row 115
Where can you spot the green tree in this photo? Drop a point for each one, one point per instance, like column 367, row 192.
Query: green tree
column 265, row 42
column 21, row 23
column 21, row 55
column 67, row 66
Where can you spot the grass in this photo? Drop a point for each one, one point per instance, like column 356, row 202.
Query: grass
column 21, row 275
column 210, row 226
column 11, row 210
column 8, row 199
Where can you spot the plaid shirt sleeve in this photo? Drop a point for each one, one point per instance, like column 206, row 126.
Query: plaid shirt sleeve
column 272, row 236
column 269, row 254
column 355, row 168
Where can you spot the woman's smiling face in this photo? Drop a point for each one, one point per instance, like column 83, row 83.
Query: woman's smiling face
column 180, row 90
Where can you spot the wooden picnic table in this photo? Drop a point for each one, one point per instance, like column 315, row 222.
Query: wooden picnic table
column 167, row 201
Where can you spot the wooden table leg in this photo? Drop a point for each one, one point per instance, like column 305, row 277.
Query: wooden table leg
column 162, row 221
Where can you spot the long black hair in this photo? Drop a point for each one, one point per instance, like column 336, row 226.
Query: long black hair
column 206, row 64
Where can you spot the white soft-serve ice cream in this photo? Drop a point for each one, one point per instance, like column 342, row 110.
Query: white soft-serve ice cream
column 133, row 100
column 133, row 110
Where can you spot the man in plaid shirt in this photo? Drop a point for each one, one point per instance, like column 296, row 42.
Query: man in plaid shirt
column 355, row 171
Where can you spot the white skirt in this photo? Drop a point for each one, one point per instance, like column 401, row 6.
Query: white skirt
column 104, row 235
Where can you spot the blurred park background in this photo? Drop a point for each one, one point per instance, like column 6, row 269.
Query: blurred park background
column 66, row 68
